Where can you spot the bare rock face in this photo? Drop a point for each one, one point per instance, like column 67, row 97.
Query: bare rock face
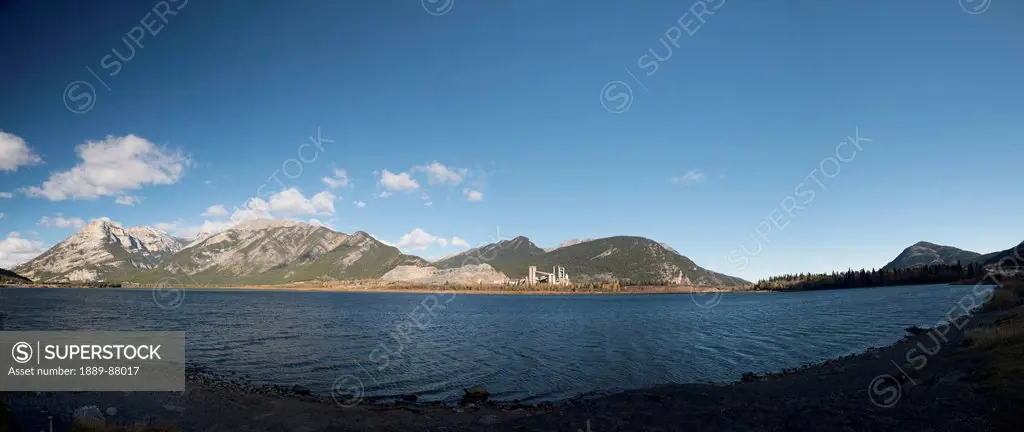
column 467, row 274
column 100, row 250
column 281, row 252
column 256, row 246
column 566, row 243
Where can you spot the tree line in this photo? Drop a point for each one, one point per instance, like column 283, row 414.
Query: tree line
column 926, row 274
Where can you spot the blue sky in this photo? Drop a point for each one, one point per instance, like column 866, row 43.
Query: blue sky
column 699, row 124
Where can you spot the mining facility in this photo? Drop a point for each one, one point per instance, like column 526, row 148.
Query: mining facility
column 558, row 276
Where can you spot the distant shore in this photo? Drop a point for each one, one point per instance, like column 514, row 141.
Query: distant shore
column 411, row 288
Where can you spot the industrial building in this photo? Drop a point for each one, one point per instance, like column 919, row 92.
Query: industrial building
column 558, row 276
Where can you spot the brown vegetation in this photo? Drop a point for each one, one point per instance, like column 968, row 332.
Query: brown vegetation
column 996, row 349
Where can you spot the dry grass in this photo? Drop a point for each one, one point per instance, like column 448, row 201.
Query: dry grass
column 997, row 349
column 1015, row 286
column 1006, row 331
column 1002, row 299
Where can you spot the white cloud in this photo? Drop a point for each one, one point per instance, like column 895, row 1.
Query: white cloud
column 180, row 229
column 691, row 177
column 324, row 202
column 254, row 208
column 15, row 250
column 14, row 153
column 318, row 222
column 429, row 203
column 398, row 182
column 440, row 174
column 6, row 195
column 384, row 194
column 128, row 200
column 418, row 239
column 459, row 242
column 59, row 221
column 2, row 215
column 216, row 210
column 340, row 179
column 111, row 167
column 359, row 204
column 473, row 195
column 291, row 203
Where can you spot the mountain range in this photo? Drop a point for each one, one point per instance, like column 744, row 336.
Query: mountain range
column 270, row 252
column 282, row 252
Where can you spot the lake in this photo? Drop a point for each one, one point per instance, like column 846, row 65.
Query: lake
column 531, row 348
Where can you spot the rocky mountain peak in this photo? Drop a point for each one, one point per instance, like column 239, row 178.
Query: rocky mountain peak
column 926, row 253
column 518, row 241
column 99, row 226
column 260, row 224
column 100, row 249
column 566, row 243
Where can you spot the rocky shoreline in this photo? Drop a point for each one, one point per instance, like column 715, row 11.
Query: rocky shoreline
column 880, row 389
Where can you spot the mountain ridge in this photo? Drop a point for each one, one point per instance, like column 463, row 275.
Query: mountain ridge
column 265, row 251
column 7, row 276
column 926, row 253
column 281, row 252
column 1014, row 255
column 630, row 259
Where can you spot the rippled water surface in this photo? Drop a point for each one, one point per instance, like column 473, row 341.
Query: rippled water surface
column 531, row 348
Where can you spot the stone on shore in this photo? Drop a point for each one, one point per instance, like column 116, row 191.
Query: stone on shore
column 112, row 411
column 89, row 415
column 488, row 419
column 173, row 408
column 300, row 390
column 915, row 330
column 475, row 394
